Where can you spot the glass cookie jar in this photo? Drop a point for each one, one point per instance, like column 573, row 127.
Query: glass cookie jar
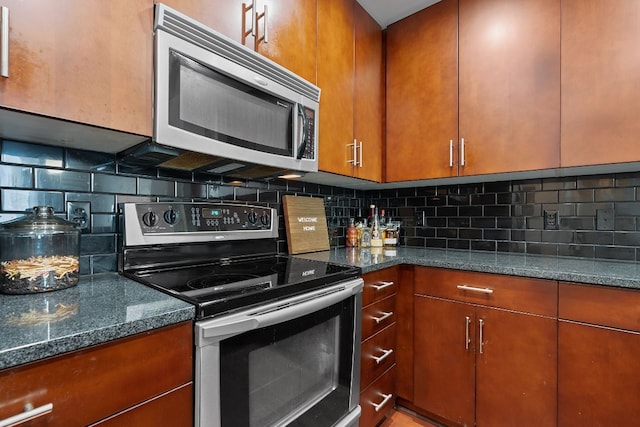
column 39, row 253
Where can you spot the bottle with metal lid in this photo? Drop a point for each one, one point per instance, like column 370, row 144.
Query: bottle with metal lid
column 39, row 253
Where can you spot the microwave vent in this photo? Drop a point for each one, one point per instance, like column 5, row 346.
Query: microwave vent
column 192, row 31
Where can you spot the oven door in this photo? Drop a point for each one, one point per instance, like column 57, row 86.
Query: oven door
column 295, row 362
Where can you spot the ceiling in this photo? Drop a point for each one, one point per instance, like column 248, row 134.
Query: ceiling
column 387, row 12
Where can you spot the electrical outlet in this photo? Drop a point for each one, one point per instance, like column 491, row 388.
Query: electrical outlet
column 551, row 220
column 80, row 213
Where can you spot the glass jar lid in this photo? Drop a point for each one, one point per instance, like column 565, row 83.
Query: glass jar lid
column 42, row 218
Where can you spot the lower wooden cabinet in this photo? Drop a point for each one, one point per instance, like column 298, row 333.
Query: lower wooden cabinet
column 142, row 380
column 378, row 353
column 599, row 347
column 485, row 348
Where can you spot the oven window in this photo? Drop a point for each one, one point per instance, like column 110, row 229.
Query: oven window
column 294, row 373
column 211, row 104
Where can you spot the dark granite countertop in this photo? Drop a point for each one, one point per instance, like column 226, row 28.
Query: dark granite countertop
column 592, row 271
column 100, row 308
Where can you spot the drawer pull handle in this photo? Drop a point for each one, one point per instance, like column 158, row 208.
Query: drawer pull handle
column 386, row 398
column 29, row 414
column 467, row 338
column 481, row 322
column 474, row 289
column 385, row 315
column 382, row 285
column 386, row 353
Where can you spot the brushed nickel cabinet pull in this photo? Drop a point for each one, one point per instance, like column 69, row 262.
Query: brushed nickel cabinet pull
column 481, row 323
column 382, row 285
column 30, row 413
column 385, row 354
column 462, row 152
column 385, row 399
column 264, row 15
column 360, row 154
column 385, row 315
column 451, row 153
column 474, row 289
column 354, row 156
column 4, row 41
column 467, row 338
column 251, row 31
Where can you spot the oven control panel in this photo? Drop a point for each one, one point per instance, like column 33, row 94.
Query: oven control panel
column 197, row 221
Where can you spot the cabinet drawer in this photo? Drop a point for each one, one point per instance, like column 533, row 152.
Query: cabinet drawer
column 537, row 296
column 377, row 316
column 91, row 384
column 378, row 399
column 378, row 354
column 379, row 284
column 600, row 305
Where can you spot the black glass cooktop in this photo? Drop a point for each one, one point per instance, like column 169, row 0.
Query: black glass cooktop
column 223, row 286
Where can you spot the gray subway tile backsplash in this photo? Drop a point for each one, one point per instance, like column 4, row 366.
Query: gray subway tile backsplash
column 505, row 216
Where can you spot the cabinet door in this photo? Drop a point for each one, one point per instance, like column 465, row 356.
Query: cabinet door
column 509, row 79
column 368, row 96
column 422, row 94
column 600, row 69
column 292, row 35
column 87, row 61
column 516, row 365
column 598, row 380
column 444, row 359
column 335, row 79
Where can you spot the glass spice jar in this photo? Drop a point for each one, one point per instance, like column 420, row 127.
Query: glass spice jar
column 39, row 253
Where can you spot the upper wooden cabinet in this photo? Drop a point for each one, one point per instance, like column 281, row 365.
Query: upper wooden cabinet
column 290, row 26
column 87, row 61
column 600, row 84
column 350, row 71
column 506, row 83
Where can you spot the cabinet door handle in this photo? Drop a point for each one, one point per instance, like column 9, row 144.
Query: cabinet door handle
column 481, row 325
column 360, row 154
column 382, row 285
column 474, row 289
column 385, row 399
column 385, row 315
column 451, row 153
column 467, row 338
column 354, row 156
column 30, row 413
column 264, row 16
column 461, row 151
column 385, row 354
column 251, row 31
column 4, row 41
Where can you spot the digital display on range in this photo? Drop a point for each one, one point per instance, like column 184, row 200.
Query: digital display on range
column 212, row 213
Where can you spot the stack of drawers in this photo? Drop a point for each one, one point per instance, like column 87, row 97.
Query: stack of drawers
column 378, row 359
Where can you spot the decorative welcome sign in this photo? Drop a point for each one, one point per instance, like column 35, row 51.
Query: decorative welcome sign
column 306, row 224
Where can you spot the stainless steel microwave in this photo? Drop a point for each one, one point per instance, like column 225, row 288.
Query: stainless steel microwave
column 216, row 97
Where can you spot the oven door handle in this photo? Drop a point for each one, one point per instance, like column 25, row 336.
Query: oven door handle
column 272, row 314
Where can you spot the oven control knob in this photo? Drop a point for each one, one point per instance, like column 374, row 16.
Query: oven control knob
column 265, row 219
column 150, row 219
column 171, row 216
column 253, row 217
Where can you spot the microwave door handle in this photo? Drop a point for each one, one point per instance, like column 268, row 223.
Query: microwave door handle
column 303, row 142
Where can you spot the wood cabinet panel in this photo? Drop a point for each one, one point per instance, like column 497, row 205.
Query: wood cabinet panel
column 172, row 409
column 444, row 366
column 377, row 316
column 378, row 354
column 101, row 380
column 368, row 94
column 598, row 380
column 600, row 68
column 600, row 305
column 509, row 79
column 379, row 284
column 422, row 94
column 87, row 61
column 536, row 296
column 374, row 395
column 405, row 332
column 335, row 78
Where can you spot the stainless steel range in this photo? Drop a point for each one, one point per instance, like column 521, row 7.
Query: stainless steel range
column 276, row 337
